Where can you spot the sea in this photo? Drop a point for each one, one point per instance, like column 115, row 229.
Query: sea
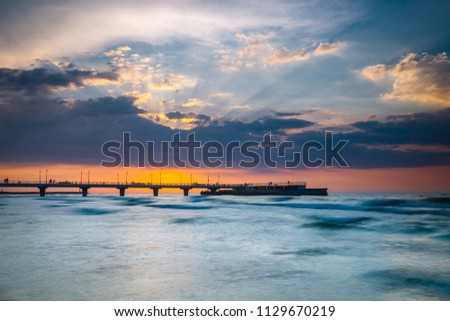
column 171, row 247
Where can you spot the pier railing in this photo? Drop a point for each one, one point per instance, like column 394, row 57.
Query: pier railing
column 117, row 183
column 278, row 184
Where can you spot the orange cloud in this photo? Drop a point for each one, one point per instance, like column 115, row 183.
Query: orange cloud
column 422, row 78
column 258, row 52
column 195, row 102
column 120, row 51
column 283, row 55
column 325, row 48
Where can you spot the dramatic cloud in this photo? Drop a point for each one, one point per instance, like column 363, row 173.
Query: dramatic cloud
column 45, row 79
column 40, row 129
column 177, row 120
column 276, row 124
column 416, row 139
column 143, row 73
column 415, row 128
column 122, row 105
column 422, row 78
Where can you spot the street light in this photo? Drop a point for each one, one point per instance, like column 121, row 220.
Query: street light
column 46, row 171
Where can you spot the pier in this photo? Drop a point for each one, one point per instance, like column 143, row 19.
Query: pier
column 121, row 187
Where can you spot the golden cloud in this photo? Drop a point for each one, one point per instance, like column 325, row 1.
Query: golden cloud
column 376, row 72
column 422, row 78
column 117, row 52
column 195, row 102
column 283, row 55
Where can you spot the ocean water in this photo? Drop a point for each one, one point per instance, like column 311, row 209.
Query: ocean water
column 140, row 247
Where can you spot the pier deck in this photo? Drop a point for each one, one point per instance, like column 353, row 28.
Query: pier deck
column 121, row 187
column 289, row 188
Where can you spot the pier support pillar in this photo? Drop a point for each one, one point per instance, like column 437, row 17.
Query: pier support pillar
column 155, row 191
column 122, row 190
column 84, row 191
column 42, row 191
column 186, row 191
column 213, row 190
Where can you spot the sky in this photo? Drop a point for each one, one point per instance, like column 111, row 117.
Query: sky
column 76, row 74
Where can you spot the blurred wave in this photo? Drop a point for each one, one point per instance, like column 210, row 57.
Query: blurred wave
column 94, row 211
column 307, row 251
column 171, row 247
column 436, row 284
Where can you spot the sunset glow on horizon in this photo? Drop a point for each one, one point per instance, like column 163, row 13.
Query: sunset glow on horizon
column 386, row 180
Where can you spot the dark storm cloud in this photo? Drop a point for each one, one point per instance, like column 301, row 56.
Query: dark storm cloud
column 106, row 106
column 35, row 128
column 375, row 144
column 242, row 130
column 41, row 129
column 418, row 128
column 44, row 79
column 181, row 115
column 176, row 115
column 49, row 130
column 194, row 118
column 270, row 124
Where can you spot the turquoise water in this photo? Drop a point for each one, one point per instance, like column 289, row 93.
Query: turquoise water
column 138, row 247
